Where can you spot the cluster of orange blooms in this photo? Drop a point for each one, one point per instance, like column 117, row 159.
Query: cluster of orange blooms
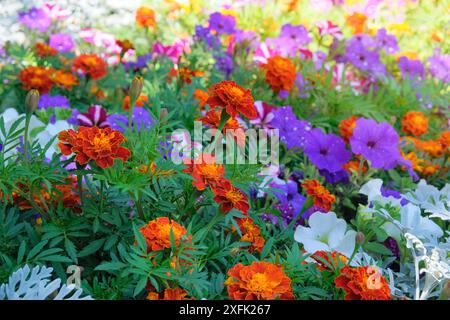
column 169, row 294
column 145, row 17
column 44, row 50
column 321, row 196
column 139, row 102
column 258, row 281
column 280, row 73
column 91, row 65
column 102, row 145
column 43, row 79
column 184, row 74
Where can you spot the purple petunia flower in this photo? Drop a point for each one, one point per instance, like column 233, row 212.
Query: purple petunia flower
column 363, row 59
column 291, row 39
column 386, row 42
column 224, row 63
column 393, row 193
column 440, row 66
column 411, row 68
column 96, row 116
column 204, row 34
column 392, row 245
column 118, row 121
column 288, row 194
column 140, row 63
column 341, row 176
column 293, row 132
column 304, row 86
column 141, row 120
column 326, row 151
column 36, row 19
column 250, row 38
column 48, row 101
column 61, row 42
column 222, row 23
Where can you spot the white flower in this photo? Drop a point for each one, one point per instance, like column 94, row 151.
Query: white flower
column 49, row 133
column 327, row 233
column 372, row 189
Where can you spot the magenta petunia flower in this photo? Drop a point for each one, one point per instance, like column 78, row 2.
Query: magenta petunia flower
column 96, row 116
column 36, row 19
column 61, row 42
column 326, row 151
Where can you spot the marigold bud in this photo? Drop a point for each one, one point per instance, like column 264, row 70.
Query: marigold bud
column 136, row 88
column 32, row 100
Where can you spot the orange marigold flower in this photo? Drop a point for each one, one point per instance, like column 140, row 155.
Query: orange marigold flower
column 429, row 169
column 139, row 102
column 431, row 147
column 43, row 50
column 233, row 98
column 229, row 197
column 101, row 145
column 416, row 162
column 444, row 140
column 90, row 64
column 212, row 119
column 415, row 123
column 251, row 233
column 170, row 294
column 36, row 78
column 357, row 22
column 258, row 281
column 353, row 166
column 145, row 17
column 185, row 74
column 323, row 260
column 201, row 96
column 363, row 283
column 321, row 196
column 206, row 172
column 64, row 79
column 280, row 73
column 157, row 233
column 346, row 127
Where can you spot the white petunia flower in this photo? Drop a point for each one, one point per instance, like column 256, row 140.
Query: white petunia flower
column 49, row 133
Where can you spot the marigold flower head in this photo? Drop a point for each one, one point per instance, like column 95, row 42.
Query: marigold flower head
column 205, row 173
column 357, row 22
column 415, row 123
column 43, row 50
column 90, row 64
column 280, row 73
column 212, row 119
column 324, row 262
column 169, row 294
column 157, row 233
column 353, row 166
column 184, row 74
column 444, row 140
column 229, row 197
column 363, row 283
column 38, row 78
column 233, row 98
column 125, row 45
column 321, row 196
column 432, row 148
column 145, row 17
column 64, row 79
column 251, row 233
column 258, row 281
column 346, row 127
column 416, row 162
column 101, row 145
column 201, row 96
column 139, row 102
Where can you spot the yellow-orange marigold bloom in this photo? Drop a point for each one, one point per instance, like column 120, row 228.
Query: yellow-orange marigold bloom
column 357, row 22
column 363, row 283
column 184, row 74
column 145, row 17
column 321, row 196
column 43, row 50
column 157, row 233
column 415, row 123
column 431, row 147
column 280, row 73
column 101, row 145
column 251, row 233
column 64, row 79
column 258, row 281
column 169, row 294
column 346, row 127
column 139, row 102
column 416, row 162
column 323, row 260
column 201, row 96
column 206, row 172
column 229, row 197
column 444, row 140
column 90, row 64
column 353, row 166
column 36, row 78
column 233, row 98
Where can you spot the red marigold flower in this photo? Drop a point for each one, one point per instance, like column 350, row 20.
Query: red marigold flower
column 251, row 233
column 323, row 260
column 321, row 196
column 346, row 127
column 415, row 123
column 43, row 50
column 36, row 78
column 170, row 294
column 280, row 73
column 99, row 145
column 229, row 197
column 205, row 173
column 157, row 233
column 90, row 64
column 145, row 17
column 139, row 102
column 363, row 283
column 64, row 79
column 233, row 98
column 258, row 281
